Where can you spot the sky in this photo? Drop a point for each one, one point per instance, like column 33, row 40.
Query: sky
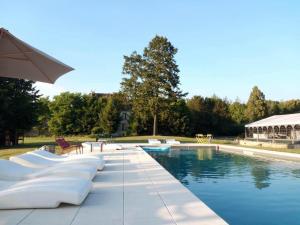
column 224, row 47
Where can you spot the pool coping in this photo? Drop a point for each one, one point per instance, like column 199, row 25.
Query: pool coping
column 252, row 152
column 205, row 215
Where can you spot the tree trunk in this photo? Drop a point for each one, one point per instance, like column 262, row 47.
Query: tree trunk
column 154, row 124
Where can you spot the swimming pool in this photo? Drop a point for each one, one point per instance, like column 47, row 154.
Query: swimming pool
column 241, row 189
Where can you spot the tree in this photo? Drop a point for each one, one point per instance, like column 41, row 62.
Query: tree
column 93, row 105
column 199, row 115
column 176, row 119
column 44, row 116
column 237, row 112
column 273, row 107
column 110, row 116
column 153, row 81
column 67, row 112
column 290, row 106
column 211, row 115
column 256, row 105
column 18, row 108
column 221, row 121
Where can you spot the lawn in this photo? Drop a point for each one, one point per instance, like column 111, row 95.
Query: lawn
column 31, row 143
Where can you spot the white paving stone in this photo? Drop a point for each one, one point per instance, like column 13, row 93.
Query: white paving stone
column 59, row 216
column 12, row 217
column 133, row 189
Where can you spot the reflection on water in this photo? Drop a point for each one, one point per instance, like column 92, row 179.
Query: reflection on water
column 243, row 190
column 261, row 176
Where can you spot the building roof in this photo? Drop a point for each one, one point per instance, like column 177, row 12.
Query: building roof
column 277, row 120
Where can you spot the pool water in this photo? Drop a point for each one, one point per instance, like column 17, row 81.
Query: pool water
column 242, row 190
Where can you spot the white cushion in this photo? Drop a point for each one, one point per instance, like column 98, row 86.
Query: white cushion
column 33, row 160
column 47, row 192
column 10, row 170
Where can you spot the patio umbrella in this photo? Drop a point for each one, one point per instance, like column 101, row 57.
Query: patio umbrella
column 20, row 60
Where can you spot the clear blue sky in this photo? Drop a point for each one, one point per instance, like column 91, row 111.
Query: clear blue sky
column 225, row 47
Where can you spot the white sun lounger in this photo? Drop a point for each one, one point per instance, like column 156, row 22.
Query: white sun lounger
column 38, row 161
column 154, row 141
column 46, row 192
column 71, row 158
column 172, row 142
column 13, row 171
column 50, row 155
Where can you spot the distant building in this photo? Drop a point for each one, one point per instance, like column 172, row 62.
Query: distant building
column 278, row 127
column 124, row 124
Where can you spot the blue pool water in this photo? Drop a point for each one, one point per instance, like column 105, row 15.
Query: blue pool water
column 242, row 190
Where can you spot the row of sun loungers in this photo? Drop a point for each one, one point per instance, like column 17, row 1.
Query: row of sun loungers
column 40, row 179
column 158, row 142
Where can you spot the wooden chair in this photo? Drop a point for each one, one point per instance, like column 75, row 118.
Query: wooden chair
column 67, row 147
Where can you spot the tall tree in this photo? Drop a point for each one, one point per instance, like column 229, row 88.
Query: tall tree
column 256, row 105
column 44, row 116
column 176, row 119
column 93, row 105
column 200, row 115
column 273, row 107
column 237, row 112
column 153, row 79
column 110, row 116
column 67, row 111
column 18, row 107
column 290, row 106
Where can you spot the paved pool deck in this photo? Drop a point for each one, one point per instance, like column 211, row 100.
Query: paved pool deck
column 133, row 189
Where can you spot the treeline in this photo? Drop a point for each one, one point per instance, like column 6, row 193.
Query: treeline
column 22, row 109
column 75, row 113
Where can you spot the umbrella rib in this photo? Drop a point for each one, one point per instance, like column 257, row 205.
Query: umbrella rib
column 13, row 58
column 29, row 59
column 12, row 54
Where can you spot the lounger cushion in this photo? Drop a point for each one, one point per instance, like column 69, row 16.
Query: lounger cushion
column 47, row 192
column 172, row 141
column 47, row 154
column 71, row 158
column 10, row 170
column 37, row 161
column 154, row 141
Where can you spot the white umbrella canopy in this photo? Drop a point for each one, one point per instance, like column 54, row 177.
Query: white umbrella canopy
column 20, row 60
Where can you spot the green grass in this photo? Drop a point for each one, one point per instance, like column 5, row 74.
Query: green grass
column 32, row 143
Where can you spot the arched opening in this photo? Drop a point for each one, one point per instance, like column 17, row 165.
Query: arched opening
column 251, row 132
column 289, row 132
column 260, row 130
column 270, row 132
column 265, row 130
column 282, row 132
column 264, row 134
